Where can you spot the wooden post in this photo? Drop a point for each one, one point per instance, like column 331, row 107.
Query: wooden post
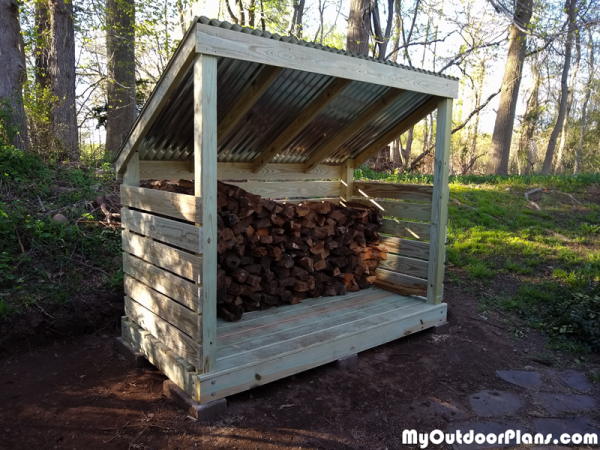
column 205, row 177
column 348, row 178
column 132, row 172
column 439, row 207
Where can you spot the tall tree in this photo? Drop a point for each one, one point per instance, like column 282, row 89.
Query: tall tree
column 588, row 92
column 565, row 131
column 505, row 118
column 359, row 26
column 530, row 119
column 42, row 45
column 571, row 9
column 120, row 56
column 297, row 18
column 13, row 74
column 62, row 76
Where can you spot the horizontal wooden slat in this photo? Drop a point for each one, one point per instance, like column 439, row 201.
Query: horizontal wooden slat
column 171, row 336
column 397, row 191
column 166, row 170
column 243, row 171
column 171, row 204
column 400, row 228
column 166, row 360
column 177, row 261
column 334, row 200
column 405, row 247
column 175, row 233
column 293, row 188
column 402, row 264
column 177, row 288
column 400, row 210
column 164, row 307
column 395, row 277
column 401, row 288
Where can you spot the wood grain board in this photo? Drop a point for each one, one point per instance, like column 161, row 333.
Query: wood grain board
column 244, row 171
column 395, row 277
column 406, row 247
column 166, row 170
column 169, row 231
column 292, row 188
column 171, row 204
column 166, row 360
column 162, row 330
column 397, row 191
column 177, row 288
column 402, row 264
column 401, row 228
column 177, row 261
column 401, row 210
column 232, row 44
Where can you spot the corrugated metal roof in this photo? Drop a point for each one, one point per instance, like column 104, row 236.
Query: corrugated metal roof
column 171, row 135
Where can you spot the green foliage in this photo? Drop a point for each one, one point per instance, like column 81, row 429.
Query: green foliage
column 38, row 104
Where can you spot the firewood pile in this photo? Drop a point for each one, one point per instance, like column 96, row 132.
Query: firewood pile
column 271, row 253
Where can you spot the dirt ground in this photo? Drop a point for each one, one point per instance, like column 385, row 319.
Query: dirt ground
column 79, row 393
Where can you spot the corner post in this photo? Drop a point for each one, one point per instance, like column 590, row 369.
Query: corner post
column 205, row 177
column 347, row 191
column 439, row 207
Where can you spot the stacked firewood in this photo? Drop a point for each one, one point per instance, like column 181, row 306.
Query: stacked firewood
column 271, row 253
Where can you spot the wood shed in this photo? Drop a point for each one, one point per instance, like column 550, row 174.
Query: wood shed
column 288, row 120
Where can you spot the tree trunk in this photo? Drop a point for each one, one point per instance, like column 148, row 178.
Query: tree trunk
column 13, row 74
column 564, row 89
column 359, row 27
column 559, row 168
column 588, row 92
column 503, row 128
column 120, row 54
column 62, row 76
column 530, row 119
column 396, row 158
column 407, row 150
column 42, row 44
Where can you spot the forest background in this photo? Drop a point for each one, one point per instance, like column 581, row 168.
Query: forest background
column 76, row 74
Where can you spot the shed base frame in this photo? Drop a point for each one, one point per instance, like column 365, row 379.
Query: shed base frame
column 265, row 346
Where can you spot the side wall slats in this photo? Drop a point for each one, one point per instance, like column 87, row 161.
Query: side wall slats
column 169, row 231
column 177, row 261
column 170, row 204
column 178, row 315
column 243, row 171
column 402, row 264
column 401, row 228
column 401, row 210
column 405, row 247
column 175, row 287
column 416, row 192
column 171, row 336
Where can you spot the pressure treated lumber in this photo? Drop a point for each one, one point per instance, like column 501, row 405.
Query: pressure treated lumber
column 439, row 209
column 406, row 247
column 245, row 171
column 171, row 336
column 166, row 230
column 292, row 188
column 171, row 204
column 402, row 264
column 177, row 288
column 166, row 170
column 164, row 307
column 205, row 187
column 412, row 119
column 401, row 210
column 177, row 261
column 402, row 228
column 353, row 128
column 246, row 100
column 310, row 112
column 233, row 44
column 397, row 191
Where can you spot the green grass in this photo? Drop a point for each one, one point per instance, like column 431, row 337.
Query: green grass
column 552, row 254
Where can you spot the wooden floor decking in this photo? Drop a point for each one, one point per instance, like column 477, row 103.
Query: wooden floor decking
column 265, row 346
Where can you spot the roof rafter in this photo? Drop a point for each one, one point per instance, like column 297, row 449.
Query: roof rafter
column 261, row 83
column 412, row 119
column 353, row 128
column 335, row 88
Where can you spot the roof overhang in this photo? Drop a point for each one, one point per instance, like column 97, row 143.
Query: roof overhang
column 282, row 100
